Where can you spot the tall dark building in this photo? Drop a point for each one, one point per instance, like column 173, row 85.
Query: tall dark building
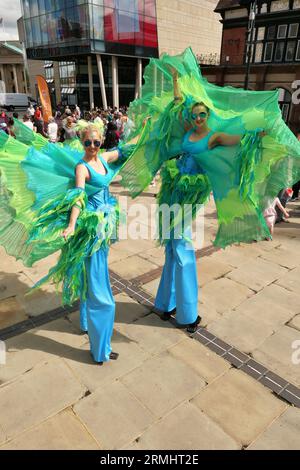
column 274, row 54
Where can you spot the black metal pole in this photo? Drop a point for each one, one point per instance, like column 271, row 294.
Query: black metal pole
column 251, row 26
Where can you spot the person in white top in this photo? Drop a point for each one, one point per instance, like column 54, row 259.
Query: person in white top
column 52, row 130
column 30, row 110
column 77, row 111
column 27, row 121
column 270, row 214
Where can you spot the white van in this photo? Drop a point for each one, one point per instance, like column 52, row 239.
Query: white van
column 10, row 101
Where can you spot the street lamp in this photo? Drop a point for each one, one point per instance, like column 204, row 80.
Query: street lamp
column 250, row 34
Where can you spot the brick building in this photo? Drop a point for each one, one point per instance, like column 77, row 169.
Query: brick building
column 275, row 59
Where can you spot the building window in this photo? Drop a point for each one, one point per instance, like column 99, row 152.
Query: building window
column 298, row 51
column 258, row 52
column 264, row 8
column 290, row 51
column 271, row 32
column 293, row 30
column 279, row 52
column 268, row 52
column 230, row 14
column 296, row 4
column 280, row 5
column 282, row 31
column 261, row 33
column 284, row 100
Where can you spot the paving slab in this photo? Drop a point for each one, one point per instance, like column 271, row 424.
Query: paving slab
column 290, row 281
column 184, row 428
column 282, row 297
column 155, row 255
column 94, row 376
column 62, row 432
column 113, row 415
column 152, row 286
column 12, row 284
column 241, row 331
column 209, row 269
column 40, row 301
column 56, row 338
column 283, row 434
column 162, row 382
column 262, row 310
column 258, row 273
column 128, row 310
column 224, row 294
column 151, row 333
column 295, row 322
column 11, row 312
column 284, row 257
column 26, row 397
column 204, row 362
column 240, row 405
column 277, row 354
column 132, row 267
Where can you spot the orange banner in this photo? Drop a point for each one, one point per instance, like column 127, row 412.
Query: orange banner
column 44, row 97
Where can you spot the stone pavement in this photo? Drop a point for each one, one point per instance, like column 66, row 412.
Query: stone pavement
column 166, row 391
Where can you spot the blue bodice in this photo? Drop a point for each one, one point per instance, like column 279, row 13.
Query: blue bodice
column 188, row 164
column 101, row 199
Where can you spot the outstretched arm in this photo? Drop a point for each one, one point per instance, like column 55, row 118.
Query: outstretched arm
column 226, row 140
column 177, row 92
column 280, row 206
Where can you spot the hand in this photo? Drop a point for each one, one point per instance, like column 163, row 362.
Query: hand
column 146, row 120
column 69, row 231
column 287, row 215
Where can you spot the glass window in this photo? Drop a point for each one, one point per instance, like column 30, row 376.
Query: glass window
column 26, row 8
column 279, row 51
column 298, row 51
column 42, row 10
column 282, row 31
column 285, row 109
column 83, row 21
column 28, row 31
column 279, row 5
column 52, row 27
column 36, row 31
column 264, row 8
column 261, row 33
column 271, row 32
column 34, row 8
column 290, row 51
column 293, row 30
column 44, row 29
column 97, row 23
column 258, row 52
column 268, row 51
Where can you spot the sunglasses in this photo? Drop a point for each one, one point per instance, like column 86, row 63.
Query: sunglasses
column 88, row 143
column 202, row 115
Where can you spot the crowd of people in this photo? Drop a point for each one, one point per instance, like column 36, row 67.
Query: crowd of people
column 61, row 127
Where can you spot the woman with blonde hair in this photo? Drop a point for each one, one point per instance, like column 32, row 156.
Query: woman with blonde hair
column 79, row 219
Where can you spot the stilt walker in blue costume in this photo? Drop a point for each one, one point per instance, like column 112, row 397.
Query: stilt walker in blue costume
column 229, row 141
column 43, row 210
